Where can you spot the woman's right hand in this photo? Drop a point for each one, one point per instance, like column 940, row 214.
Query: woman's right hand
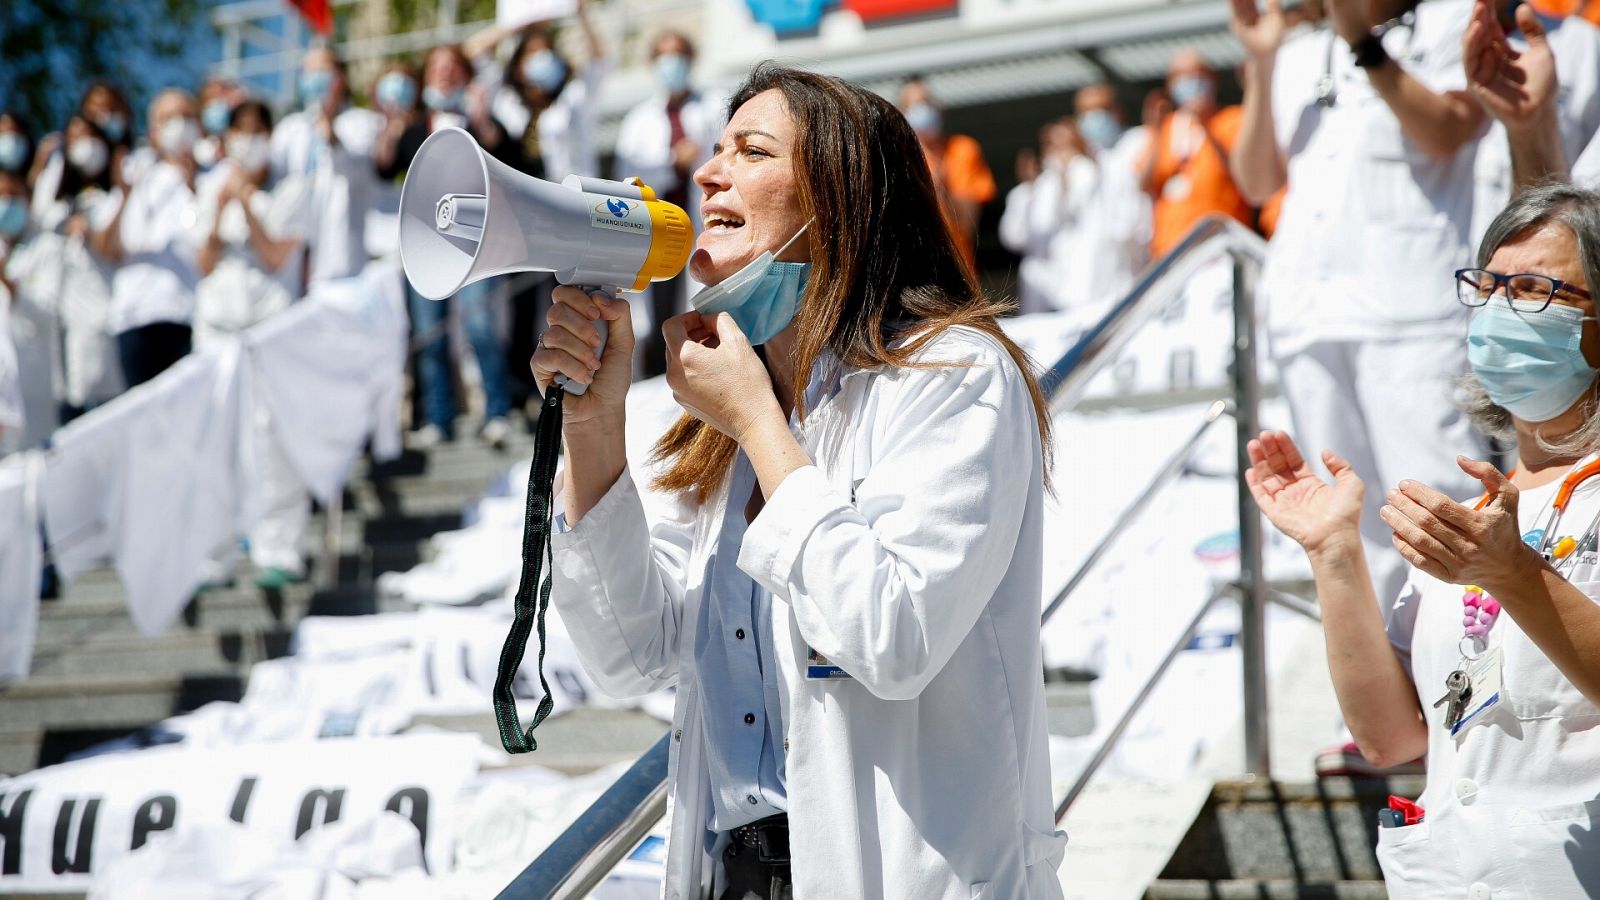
column 567, row 348
column 1299, row 503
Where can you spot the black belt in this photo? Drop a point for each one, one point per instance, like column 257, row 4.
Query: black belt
column 768, row 837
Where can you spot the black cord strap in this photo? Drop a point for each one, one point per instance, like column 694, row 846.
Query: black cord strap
column 529, row 614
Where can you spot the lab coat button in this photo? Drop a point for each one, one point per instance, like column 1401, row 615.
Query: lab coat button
column 751, row 798
column 1466, row 790
column 1479, row 891
column 749, row 718
column 739, row 634
column 678, row 735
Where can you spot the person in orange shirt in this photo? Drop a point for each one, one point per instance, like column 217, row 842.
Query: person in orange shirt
column 960, row 172
column 1186, row 168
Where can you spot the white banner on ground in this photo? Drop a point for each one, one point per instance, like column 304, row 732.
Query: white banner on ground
column 60, row 824
column 516, row 13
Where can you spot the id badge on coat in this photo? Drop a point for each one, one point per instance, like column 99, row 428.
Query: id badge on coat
column 1484, row 674
column 818, row 668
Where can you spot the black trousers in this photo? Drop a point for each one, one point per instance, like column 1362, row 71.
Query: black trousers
column 148, row 350
column 755, row 862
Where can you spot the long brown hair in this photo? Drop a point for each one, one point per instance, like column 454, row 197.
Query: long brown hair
column 884, row 264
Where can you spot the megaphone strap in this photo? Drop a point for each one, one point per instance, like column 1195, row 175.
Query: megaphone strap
column 532, row 600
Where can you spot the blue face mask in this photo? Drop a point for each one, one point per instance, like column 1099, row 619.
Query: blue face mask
column 396, row 91
column 762, row 296
column 114, row 127
column 1530, row 363
column 440, row 101
column 214, row 117
column 13, row 151
column 314, row 86
column 546, row 70
column 672, row 70
column 13, row 217
column 924, row 118
column 1100, row 128
column 1190, row 88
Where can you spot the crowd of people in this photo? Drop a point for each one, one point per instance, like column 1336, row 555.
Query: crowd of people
column 119, row 255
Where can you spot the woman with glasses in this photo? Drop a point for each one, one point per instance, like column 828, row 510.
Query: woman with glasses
column 1489, row 659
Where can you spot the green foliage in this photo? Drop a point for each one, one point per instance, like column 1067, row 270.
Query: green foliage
column 51, row 49
column 412, row 15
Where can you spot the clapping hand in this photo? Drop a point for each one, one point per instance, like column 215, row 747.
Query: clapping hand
column 1260, row 31
column 1456, row 543
column 1303, row 506
column 1515, row 87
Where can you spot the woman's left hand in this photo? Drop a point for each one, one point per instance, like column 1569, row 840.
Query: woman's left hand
column 1458, row 544
column 715, row 374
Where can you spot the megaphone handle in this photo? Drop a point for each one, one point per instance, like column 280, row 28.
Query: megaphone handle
column 575, row 388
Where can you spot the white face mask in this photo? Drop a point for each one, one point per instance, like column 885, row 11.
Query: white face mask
column 249, row 150
column 177, row 135
column 207, row 152
column 88, row 155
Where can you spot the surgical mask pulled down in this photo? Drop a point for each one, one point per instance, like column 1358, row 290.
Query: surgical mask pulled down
column 761, row 297
column 1531, row 363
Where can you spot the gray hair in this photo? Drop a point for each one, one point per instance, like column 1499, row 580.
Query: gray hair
column 1579, row 210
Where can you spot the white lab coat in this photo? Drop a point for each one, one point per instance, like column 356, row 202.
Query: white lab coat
column 1512, row 803
column 910, row 554
column 344, row 184
column 21, row 560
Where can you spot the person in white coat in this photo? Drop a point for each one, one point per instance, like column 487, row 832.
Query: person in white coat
column 847, row 597
column 662, row 141
column 1499, row 622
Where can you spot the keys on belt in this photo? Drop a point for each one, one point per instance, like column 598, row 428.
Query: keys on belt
column 768, row 837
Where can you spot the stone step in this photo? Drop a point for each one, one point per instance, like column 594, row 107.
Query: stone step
column 174, row 653
column 1270, row 889
column 1318, row 832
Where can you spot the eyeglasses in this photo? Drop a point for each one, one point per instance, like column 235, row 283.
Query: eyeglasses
column 1474, row 287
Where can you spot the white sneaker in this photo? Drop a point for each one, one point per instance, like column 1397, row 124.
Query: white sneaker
column 425, row 438
column 497, row 432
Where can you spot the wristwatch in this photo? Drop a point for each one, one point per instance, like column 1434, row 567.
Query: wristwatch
column 1369, row 52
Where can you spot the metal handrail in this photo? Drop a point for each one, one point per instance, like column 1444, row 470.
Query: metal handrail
column 581, row 858
column 600, row 838
column 1169, row 471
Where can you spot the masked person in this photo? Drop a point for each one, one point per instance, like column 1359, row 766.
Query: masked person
column 960, row 172
column 330, row 142
column 1500, row 619
column 453, row 101
column 1366, row 118
column 662, row 141
column 1185, row 169
column 33, row 336
column 16, row 144
column 147, row 237
column 847, row 596
column 250, row 257
column 88, row 373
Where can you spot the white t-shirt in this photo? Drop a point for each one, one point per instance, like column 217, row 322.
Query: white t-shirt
column 1576, row 45
column 1511, row 800
column 241, row 290
column 1372, row 228
column 344, row 185
column 156, row 278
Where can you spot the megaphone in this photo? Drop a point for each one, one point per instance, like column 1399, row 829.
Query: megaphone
column 466, row 216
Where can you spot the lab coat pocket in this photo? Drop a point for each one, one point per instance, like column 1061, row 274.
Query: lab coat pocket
column 1558, row 849
column 1410, row 862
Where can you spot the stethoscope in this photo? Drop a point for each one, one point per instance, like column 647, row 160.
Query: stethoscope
column 1543, row 539
column 1327, row 85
